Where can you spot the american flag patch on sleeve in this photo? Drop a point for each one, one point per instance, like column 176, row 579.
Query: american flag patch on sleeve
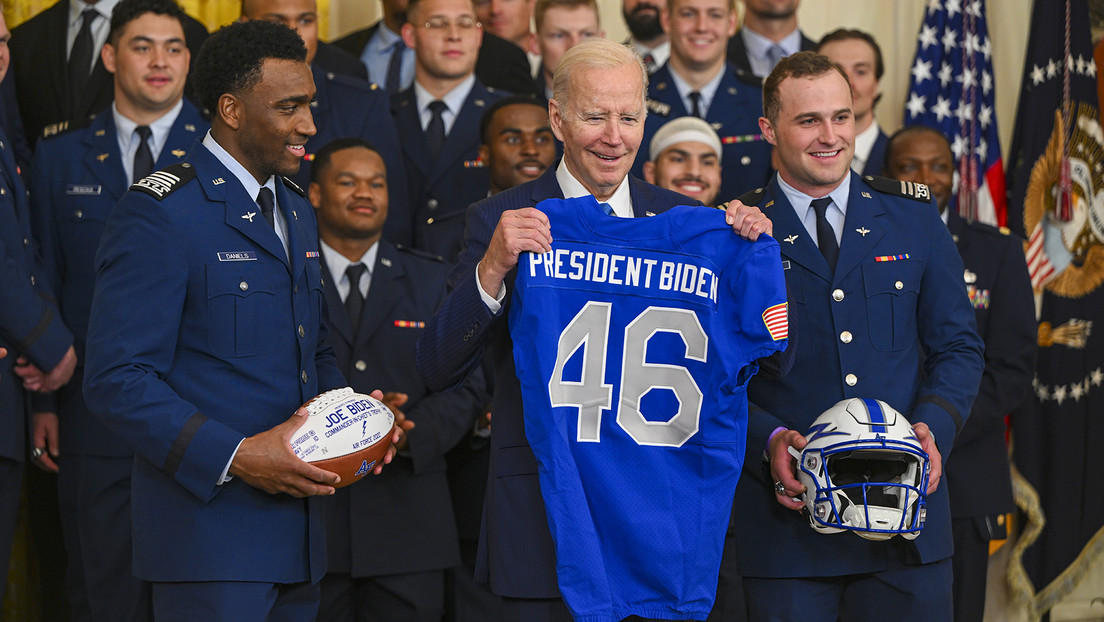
column 777, row 321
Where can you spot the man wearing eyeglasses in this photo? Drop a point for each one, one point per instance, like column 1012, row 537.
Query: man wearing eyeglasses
column 439, row 116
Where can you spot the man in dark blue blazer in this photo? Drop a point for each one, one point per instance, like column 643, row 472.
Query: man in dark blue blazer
column 997, row 281
column 883, row 314
column 767, row 24
column 32, row 335
column 606, row 79
column 374, row 330
column 207, row 333
column 345, row 103
column 441, row 152
column 77, row 178
column 860, row 56
column 697, row 81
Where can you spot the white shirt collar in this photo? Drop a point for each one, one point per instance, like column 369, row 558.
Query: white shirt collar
column 338, row 264
column 620, row 201
column 385, row 37
column 454, row 99
column 864, row 142
column 802, row 206
column 707, row 91
column 159, row 130
column 660, row 53
column 237, row 170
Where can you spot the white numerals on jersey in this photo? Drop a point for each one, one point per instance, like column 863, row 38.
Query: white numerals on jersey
column 589, row 329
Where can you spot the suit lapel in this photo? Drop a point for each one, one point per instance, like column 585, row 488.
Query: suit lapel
column 339, row 320
column 546, row 186
column 795, row 242
column 385, row 291
column 861, row 228
column 405, row 111
column 102, row 157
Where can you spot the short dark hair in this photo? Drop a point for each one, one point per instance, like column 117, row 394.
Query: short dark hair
column 909, row 130
column 846, row 34
column 513, row 100
column 130, row 10
column 325, row 154
column 231, row 59
column 800, row 65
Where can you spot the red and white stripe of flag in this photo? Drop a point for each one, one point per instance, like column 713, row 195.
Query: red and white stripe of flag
column 777, row 321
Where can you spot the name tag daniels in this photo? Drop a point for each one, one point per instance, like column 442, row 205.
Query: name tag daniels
column 238, row 256
column 87, row 189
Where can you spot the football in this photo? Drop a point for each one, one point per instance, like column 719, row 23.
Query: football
column 345, row 433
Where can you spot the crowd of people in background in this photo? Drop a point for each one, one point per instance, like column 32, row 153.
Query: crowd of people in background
column 141, row 156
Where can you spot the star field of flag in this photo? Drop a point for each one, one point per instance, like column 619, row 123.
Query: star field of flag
column 951, row 89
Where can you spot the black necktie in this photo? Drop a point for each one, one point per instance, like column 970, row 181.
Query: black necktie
column 143, row 157
column 435, row 131
column 354, row 302
column 268, row 206
column 394, row 68
column 695, row 104
column 80, row 60
column 826, row 237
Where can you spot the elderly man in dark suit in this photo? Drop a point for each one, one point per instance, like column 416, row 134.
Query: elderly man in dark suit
column 606, row 80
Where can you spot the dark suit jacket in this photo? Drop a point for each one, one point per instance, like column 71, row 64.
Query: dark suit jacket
column 734, row 114
column 412, row 491
column 501, row 64
column 439, row 191
column 331, row 58
column 875, row 160
column 1000, row 291
column 41, row 70
column 893, row 311
column 77, row 179
column 515, row 550
column 737, row 54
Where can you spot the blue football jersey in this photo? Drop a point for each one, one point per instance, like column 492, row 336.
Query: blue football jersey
column 634, row 339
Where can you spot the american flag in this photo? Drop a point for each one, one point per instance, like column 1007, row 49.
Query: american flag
column 951, row 89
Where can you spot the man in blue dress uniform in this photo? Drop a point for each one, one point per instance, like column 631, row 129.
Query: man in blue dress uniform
column 697, row 81
column 77, row 178
column 207, row 333
column 876, row 282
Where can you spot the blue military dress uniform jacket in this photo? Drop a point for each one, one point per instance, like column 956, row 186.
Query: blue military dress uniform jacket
column 203, row 332
column 439, row 191
column 515, row 549
column 345, row 106
column 999, row 289
column 76, row 180
column 734, row 114
column 30, row 324
column 896, row 295
column 412, row 492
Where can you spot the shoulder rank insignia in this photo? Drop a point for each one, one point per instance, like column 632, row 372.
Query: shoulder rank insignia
column 907, row 189
column 161, row 184
column 753, row 197
column 294, row 186
column 54, row 128
column 658, row 107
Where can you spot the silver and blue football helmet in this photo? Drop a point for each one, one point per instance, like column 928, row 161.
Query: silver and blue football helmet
column 864, row 472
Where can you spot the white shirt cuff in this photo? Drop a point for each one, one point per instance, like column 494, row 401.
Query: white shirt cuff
column 225, row 477
column 494, row 304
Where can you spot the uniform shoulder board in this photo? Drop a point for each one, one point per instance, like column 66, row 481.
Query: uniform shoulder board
column 658, row 107
column 753, row 197
column 749, row 78
column 65, row 126
column 162, row 183
column 294, row 187
column 420, row 253
column 907, row 189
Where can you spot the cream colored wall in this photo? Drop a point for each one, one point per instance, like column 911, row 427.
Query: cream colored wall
column 894, row 23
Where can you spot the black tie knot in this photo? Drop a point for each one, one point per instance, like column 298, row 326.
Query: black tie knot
column 826, row 236
column 143, row 156
column 820, row 206
column 268, row 205
column 354, row 301
column 695, row 104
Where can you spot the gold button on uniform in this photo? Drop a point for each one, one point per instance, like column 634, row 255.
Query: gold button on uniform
column 845, row 336
column 850, row 379
column 837, row 295
column 360, row 365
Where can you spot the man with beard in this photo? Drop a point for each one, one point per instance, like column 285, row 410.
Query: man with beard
column 390, row 61
column 518, row 144
column 647, row 37
column 685, row 156
column 768, row 35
